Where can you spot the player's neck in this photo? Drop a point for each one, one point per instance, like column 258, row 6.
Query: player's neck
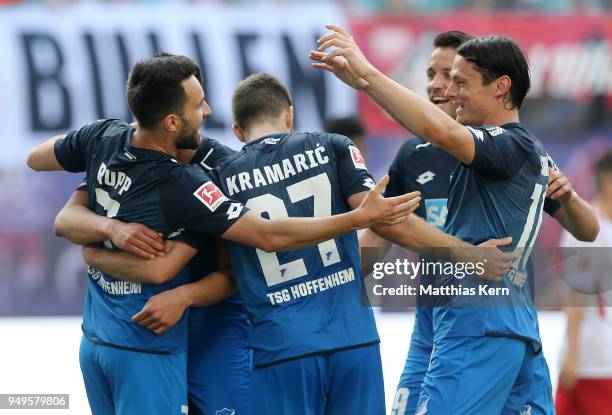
column 499, row 118
column 151, row 140
column 265, row 129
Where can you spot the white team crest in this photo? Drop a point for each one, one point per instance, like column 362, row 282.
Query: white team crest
column 357, row 158
column 210, row 195
column 426, row 177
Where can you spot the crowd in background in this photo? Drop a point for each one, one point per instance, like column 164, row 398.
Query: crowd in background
column 552, row 6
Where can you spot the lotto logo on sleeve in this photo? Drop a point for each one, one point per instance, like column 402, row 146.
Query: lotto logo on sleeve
column 210, row 195
column 358, row 159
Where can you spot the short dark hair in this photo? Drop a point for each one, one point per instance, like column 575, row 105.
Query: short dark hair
column 154, row 87
column 498, row 55
column 257, row 97
column 346, row 126
column 451, row 39
column 603, row 167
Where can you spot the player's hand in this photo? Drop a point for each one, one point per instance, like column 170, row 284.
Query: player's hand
column 568, row 374
column 346, row 61
column 137, row 239
column 559, row 186
column 496, row 262
column 376, row 210
column 162, row 311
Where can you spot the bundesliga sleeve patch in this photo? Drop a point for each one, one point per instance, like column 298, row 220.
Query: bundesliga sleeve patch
column 357, row 158
column 210, row 195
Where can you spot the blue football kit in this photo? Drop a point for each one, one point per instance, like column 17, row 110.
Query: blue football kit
column 140, row 185
column 480, row 190
column 219, row 358
column 420, row 166
column 314, row 340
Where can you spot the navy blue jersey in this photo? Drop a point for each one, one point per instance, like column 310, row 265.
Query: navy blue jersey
column 210, row 154
column 149, row 187
column 308, row 300
column 420, row 166
column 500, row 194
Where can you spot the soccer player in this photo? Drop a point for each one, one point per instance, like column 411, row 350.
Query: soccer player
column 585, row 379
column 420, row 166
column 498, row 187
column 133, row 175
column 307, row 312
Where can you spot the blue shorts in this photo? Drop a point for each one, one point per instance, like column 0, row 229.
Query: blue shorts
column 219, row 369
column 476, row 375
column 417, row 362
column 121, row 382
column 534, row 398
column 331, row 383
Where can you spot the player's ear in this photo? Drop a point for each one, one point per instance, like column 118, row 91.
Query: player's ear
column 502, row 86
column 239, row 133
column 289, row 118
column 171, row 123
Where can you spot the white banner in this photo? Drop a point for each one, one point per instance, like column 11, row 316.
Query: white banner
column 62, row 68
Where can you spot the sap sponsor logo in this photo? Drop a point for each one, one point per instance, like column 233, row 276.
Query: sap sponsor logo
column 426, row 177
column 226, row 411
column 210, row 195
column 477, row 133
column 270, row 140
column 357, row 158
column 437, row 211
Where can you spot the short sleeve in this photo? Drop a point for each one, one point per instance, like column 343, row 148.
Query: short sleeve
column 499, row 153
column 72, row 151
column 83, row 185
column 191, row 201
column 210, row 154
column 352, row 171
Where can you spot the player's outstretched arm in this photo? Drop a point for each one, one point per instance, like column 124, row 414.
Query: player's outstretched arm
column 128, row 267
column 421, row 117
column 42, row 157
column 291, row 233
column 82, row 226
column 163, row 310
column 418, row 235
column 575, row 214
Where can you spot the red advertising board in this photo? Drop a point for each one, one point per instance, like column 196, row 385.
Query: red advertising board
column 570, row 55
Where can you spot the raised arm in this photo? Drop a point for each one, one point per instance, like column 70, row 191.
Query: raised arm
column 291, row 233
column 417, row 235
column 421, row 117
column 128, row 267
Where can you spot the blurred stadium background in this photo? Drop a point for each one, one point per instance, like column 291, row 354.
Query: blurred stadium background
column 64, row 63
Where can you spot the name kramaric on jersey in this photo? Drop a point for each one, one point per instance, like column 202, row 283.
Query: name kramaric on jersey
column 277, row 172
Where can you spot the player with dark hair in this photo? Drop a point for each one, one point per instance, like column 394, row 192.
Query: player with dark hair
column 350, row 127
column 420, row 166
column 133, row 175
column 489, row 80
